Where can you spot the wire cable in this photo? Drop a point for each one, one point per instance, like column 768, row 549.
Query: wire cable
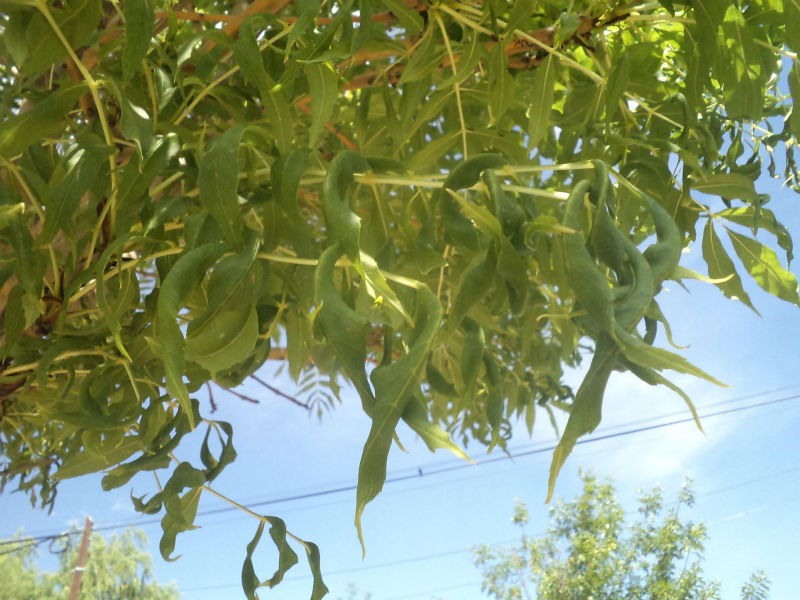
column 446, row 469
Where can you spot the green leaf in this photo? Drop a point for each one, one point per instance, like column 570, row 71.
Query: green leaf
column 430, row 153
column 82, row 168
column 426, row 58
column 184, row 277
column 495, row 398
column 395, row 386
column 46, row 118
column 378, row 288
column 247, row 55
column 27, row 262
column 586, row 410
column 225, row 340
column 319, row 589
column 286, row 557
column 544, row 83
column 250, row 581
column 728, row 186
column 616, row 83
column 228, row 285
column 720, row 266
column 107, row 455
column 136, row 125
column 636, row 351
column 476, row 281
column 791, row 17
column 138, row 176
column 763, row 265
column 510, row 265
column 761, row 218
column 501, row 83
column 408, row 17
column 471, row 355
column 415, row 416
column 218, row 179
column 139, row 23
column 345, row 330
column 286, row 174
column 181, row 510
column 323, row 86
column 794, row 89
column 652, row 377
column 343, row 226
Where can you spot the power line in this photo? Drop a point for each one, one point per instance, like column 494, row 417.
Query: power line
column 454, row 467
column 459, row 551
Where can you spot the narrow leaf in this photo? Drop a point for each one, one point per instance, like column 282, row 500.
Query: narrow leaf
column 395, row 385
column 323, row 86
column 586, row 410
column 721, row 268
column 139, row 23
column 543, row 91
column 185, row 275
column 763, row 265
column 728, row 186
column 218, row 179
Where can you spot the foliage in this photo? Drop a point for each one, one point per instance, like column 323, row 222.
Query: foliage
column 443, row 202
column 587, row 553
column 118, row 568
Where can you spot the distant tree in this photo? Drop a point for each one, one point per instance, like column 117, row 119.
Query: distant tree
column 588, row 554
column 354, row 594
column 117, row 569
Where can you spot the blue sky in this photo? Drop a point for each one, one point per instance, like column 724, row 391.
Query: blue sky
column 746, row 472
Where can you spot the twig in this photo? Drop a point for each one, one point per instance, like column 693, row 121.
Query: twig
column 277, row 392
column 211, row 397
column 242, row 396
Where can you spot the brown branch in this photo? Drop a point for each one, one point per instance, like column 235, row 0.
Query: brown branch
column 277, row 392
column 242, row 396
column 211, row 397
column 522, row 53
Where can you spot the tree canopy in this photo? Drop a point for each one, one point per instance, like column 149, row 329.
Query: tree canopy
column 587, row 553
column 117, row 568
column 443, row 203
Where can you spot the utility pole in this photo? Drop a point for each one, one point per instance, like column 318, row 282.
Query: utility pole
column 77, row 574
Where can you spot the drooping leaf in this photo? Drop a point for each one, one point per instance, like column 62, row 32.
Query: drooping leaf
column 395, row 386
column 139, row 25
column 727, row 185
column 763, row 265
column 501, row 85
column 721, row 267
column 543, row 92
column 586, row 409
column 345, row 330
column 218, row 180
column 181, row 509
column 185, row 275
column 83, row 169
column 763, row 218
column 225, row 340
column 324, row 88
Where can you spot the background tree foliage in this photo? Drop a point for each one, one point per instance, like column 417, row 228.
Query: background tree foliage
column 587, row 553
column 443, row 202
column 116, row 569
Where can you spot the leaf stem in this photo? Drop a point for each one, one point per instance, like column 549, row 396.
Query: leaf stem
column 41, row 5
column 456, row 85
